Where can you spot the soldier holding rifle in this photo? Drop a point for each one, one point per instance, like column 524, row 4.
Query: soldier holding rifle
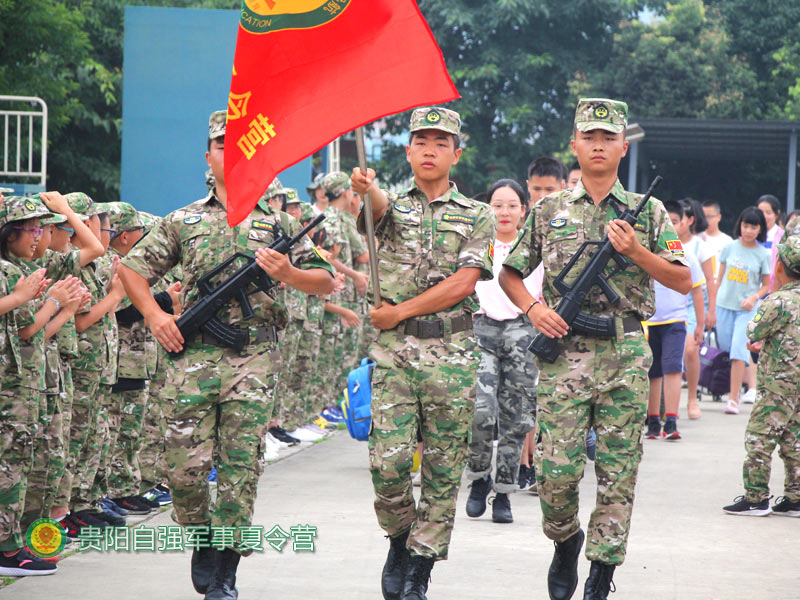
column 593, row 381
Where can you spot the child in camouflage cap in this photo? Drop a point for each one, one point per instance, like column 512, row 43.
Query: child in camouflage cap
column 775, row 419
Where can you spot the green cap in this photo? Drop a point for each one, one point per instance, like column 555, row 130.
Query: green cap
column 216, row 124
column 601, row 113
column 335, row 183
column 292, row 197
column 123, row 217
column 54, row 219
column 306, row 212
column 432, row 117
column 81, row 204
column 19, row 208
column 789, row 252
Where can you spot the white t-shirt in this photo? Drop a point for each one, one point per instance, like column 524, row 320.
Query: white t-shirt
column 672, row 306
column 494, row 302
column 716, row 243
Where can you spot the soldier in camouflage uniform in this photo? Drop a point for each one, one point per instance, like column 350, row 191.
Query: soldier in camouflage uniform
column 224, row 397
column 594, row 382
column 434, row 246
column 775, row 418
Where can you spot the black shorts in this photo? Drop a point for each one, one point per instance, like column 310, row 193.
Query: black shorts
column 667, row 342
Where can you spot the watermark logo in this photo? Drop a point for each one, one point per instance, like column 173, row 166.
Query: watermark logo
column 46, row 538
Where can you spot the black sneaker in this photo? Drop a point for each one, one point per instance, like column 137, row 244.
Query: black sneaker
column 75, row 521
column 501, row 509
column 671, row 429
column 786, row 508
column 133, row 507
column 280, row 434
column 476, row 503
column 744, row 508
column 653, row 428
column 146, row 501
column 108, row 505
column 24, row 564
column 524, row 477
column 112, row 519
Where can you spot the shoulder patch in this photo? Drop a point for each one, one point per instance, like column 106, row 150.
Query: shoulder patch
column 192, row 220
column 401, row 208
column 558, row 223
column 491, row 252
column 458, row 218
column 640, row 226
column 263, row 225
column 675, row 247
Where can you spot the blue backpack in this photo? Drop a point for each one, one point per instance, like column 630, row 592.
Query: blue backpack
column 357, row 401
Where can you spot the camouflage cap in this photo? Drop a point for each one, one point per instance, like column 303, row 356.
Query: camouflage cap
column 81, row 204
column 789, row 252
column 54, row 218
column 335, row 183
column 315, row 184
column 792, row 226
column 432, row 117
column 19, row 208
column 216, row 124
column 124, row 217
column 306, row 212
column 292, row 197
column 601, row 113
column 275, row 188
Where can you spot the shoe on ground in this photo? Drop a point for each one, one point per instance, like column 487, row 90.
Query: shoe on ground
column 223, row 583
column 321, row 422
column 132, row 505
column 24, row 564
column 305, row 435
column 523, row 479
column 599, row 583
column 501, row 509
column 112, row 519
column 281, row 445
column 315, row 428
column 86, row 518
column 393, row 576
column 671, row 429
column 749, row 397
column 50, row 559
column 786, row 508
column 732, row 408
column 562, row 576
column 271, row 449
column 332, row 415
column 417, row 577
column 280, row 434
column 146, row 501
column 653, row 427
column 159, row 494
column 741, row 507
column 203, row 567
column 108, row 505
column 694, row 411
column 591, row 444
column 476, row 503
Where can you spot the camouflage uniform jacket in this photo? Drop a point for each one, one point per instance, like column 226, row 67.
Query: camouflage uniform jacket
column 423, row 243
column 95, row 343
column 28, row 355
column 777, row 322
column 558, row 225
column 197, row 238
column 356, row 246
column 132, row 354
column 9, row 345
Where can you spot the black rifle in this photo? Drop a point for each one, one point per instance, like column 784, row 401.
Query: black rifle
column 572, row 296
column 202, row 315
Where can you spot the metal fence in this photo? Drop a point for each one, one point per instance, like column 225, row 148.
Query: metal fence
column 23, row 126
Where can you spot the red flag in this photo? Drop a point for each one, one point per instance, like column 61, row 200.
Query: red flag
column 307, row 71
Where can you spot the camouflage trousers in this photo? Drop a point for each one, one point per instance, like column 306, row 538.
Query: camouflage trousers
column 58, row 482
column 600, row 383
column 124, row 474
column 151, row 455
column 425, row 384
column 295, row 402
column 218, row 418
column 506, row 397
column 84, row 447
column 328, row 370
column 103, row 439
column 314, row 380
column 346, row 353
column 48, row 451
column 774, row 421
column 286, row 396
column 18, row 407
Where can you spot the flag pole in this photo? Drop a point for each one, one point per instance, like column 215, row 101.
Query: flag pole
column 368, row 222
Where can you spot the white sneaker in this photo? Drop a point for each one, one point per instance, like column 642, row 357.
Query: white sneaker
column 312, row 427
column 731, row 408
column 305, row 435
column 416, row 478
column 274, row 440
column 270, row 450
column 750, row 396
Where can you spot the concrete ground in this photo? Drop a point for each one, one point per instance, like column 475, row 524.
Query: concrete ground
column 681, row 545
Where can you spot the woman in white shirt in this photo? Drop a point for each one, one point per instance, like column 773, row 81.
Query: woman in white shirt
column 506, row 395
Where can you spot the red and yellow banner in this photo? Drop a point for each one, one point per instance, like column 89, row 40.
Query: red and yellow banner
column 307, row 71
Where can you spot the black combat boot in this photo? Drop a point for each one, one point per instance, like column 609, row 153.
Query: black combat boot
column 203, row 567
column 476, row 503
column 223, row 583
column 562, row 578
column 417, row 577
column 501, row 509
column 599, row 582
column 394, row 571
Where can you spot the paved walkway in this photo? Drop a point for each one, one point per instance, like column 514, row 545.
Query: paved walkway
column 682, row 546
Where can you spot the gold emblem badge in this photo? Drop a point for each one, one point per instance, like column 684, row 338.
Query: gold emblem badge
column 600, row 111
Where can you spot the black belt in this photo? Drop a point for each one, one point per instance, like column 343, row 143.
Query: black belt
column 435, row 328
column 258, row 335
